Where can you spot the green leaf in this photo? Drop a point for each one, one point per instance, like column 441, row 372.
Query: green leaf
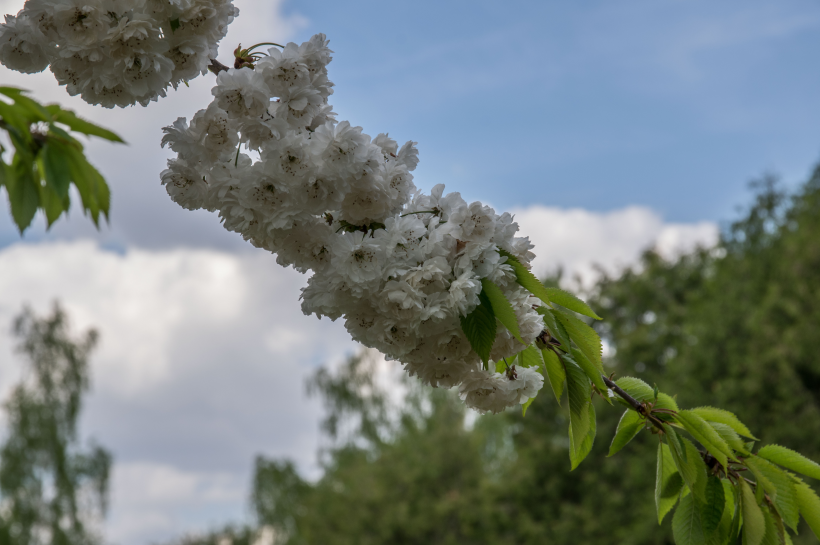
column 526, row 406
column 174, row 24
column 668, row 482
column 525, row 278
column 480, row 328
column 579, row 451
column 570, row 301
column 502, row 308
column 711, row 510
column 77, row 124
column 809, row 505
column 636, row 388
column 578, row 392
column 555, row 372
column 790, row 460
column 24, row 196
column 706, row 436
column 754, row 525
column 592, row 371
column 529, row 357
column 56, row 171
column 773, row 535
column 721, row 536
column 687, row 527
column 689, row 463
column 731, row 437
column 724, row 417
column 780, row 487
column 630, row 424
column 584, row 336
column 52, row 204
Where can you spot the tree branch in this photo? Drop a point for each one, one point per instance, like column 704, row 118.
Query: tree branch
column 637, row 405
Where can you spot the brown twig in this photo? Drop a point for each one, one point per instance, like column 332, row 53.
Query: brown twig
column 637, row 405
column 216, row 67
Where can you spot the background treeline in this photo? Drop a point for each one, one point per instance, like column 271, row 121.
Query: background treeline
column 736, row 326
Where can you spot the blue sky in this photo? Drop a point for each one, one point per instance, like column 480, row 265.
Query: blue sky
column 605, row 126
column 596, row 104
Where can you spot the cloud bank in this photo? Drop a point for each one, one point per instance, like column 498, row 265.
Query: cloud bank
column 204, row 354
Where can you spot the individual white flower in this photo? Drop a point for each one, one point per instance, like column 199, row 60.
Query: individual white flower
column 486, row 392
column 439, row 372
column 241, row 93
column 283, row 69
column 474, row 223
column 22, row 46
column 80, row 25
column 288, row 160
column 463, row 293
column 356, row 256
column 216, row 132
column 185, row 185
column 523, row 383
column 388, row 146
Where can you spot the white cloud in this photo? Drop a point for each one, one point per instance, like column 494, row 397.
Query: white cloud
column 161, row 500
column 201, row 365
column 577, row 239
column 204, row 354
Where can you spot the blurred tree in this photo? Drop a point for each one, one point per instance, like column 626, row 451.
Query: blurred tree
column 733, row 326
column 50, row 489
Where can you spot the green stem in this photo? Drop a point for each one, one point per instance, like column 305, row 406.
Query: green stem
column 251, row 48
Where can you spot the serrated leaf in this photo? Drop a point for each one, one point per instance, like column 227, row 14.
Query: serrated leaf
column 809, row 505
column 51, row 204
column 24, row 196
column 687, row 527
column 530, row 357
column 584, row 336
column 570, row 301
column 592, row 371
column 557, row 331
column 773, row 535
column 790, row 460
column 480, row 328
column 525, row 278
column 721, row 536
column 668, row 482
column 780, row 487
column 635, row 387
column 578, row 392
column 690, row 465
column 628, row 427
column 711, row 510
column 55, row 169
column 555, row 372
column 526, row 406
column 706, row 436
column 724, row 417
column 77, row 124
column 579, row 451
column 731, row 437
column 502, row 308
column 754, row 525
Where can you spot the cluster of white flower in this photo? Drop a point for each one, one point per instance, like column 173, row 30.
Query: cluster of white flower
column 400, row 267
column 116, row 52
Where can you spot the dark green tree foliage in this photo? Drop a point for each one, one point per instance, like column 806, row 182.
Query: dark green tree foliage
column 47, row 159
column 734, row 327
column 51, row 490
